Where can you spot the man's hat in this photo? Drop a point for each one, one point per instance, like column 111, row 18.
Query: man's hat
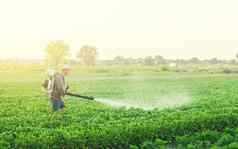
column 66, row 67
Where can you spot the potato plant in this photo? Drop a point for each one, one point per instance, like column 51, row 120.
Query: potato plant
column 209, row 120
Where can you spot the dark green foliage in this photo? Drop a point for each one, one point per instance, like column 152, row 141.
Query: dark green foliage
column 209, row 121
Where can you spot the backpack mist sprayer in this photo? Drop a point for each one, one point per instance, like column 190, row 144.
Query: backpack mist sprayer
column 47, row 83
column 78, row 95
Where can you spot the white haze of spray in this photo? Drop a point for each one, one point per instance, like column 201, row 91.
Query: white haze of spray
column 168, row 101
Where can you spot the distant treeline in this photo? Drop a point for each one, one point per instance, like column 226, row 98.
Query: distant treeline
column 130, row 65
column 159, row 60
column 120, row 60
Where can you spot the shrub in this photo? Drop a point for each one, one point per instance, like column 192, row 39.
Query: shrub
column 164, row 68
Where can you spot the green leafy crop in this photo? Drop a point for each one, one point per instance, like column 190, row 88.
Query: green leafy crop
column 209, row 121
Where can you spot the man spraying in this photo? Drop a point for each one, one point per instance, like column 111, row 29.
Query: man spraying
column 56, row 87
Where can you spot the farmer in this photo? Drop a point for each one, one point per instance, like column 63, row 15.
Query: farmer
column 56, row 88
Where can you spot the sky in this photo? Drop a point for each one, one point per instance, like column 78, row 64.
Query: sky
column 130, row 28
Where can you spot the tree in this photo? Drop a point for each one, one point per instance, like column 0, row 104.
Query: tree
column 119, row 60
column 194, row 60
column 180, row 61
column 87, row 55
column 232, row 61
column 159, row 60
column 149, row 61
column 139, row 61
column 57, row 54
column 237, row 56
column 214, row 61
column 129, row 61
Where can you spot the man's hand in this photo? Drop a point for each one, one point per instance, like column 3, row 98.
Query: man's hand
column 66, row 89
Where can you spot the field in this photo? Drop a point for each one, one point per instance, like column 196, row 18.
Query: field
column 208, row 118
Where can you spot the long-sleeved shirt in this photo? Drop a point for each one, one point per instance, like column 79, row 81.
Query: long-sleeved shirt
column 58, row 87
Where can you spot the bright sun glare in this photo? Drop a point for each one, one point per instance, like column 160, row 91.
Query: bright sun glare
column 173, row 29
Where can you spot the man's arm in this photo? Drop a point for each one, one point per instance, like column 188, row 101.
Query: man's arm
column 45, row 84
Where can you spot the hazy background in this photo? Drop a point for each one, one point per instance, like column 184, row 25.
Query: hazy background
column 131, row 28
